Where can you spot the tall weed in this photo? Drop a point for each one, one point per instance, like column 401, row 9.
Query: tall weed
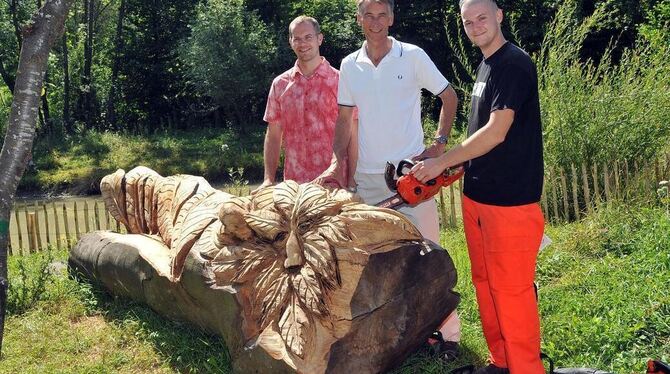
column 598, row 111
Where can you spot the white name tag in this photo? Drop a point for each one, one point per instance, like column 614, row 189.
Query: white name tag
column 478, row 89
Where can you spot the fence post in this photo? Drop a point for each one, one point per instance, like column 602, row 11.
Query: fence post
column 545, row 209
column 566, row 204
column 18, row 228
column 575, row 195
column 617, row 183
column 32, row 232
column 587, row 190
column 37, row 226
column 87, row 226
column 66, row 226
column 58, row 238
column 46, row 223
column 96, row 215
column 76, row 221
column 452, row 205
column 554, row 194
column 606, row 175
column 443, row 209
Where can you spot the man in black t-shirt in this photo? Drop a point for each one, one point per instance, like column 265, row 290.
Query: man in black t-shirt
column 502, row 219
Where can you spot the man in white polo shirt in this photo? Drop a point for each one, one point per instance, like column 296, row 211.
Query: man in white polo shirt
column 384, row 80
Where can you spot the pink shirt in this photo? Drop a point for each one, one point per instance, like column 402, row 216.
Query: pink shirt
column 306, row 109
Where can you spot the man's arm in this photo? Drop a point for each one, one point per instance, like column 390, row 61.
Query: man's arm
column 480, row 143
column 352, row 154
column 271, row 151
column 447, row 116
column 336, row 174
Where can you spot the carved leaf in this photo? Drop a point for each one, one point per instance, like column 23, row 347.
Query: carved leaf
column 309, row 293
column 333, row 230
column 251, row 266
column 312, row 202
column 319, row 255
column 164, row 196
column 284, row 195
column 266, row 223
column 263, row 198
column 111, row 187
column 271, row 290
column 295, row 327
column 371, row 227
column 232, row 216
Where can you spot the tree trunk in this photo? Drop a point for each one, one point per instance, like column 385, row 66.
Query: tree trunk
column 67, row 122
column 113, row 89
column 310, row 277
column 87, row 79
column 38, row 38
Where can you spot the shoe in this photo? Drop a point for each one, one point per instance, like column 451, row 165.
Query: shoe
column 447, row 351
column 492, row 369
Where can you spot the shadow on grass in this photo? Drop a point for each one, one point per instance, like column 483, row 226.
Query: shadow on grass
column 423, row 362
column 182, row 346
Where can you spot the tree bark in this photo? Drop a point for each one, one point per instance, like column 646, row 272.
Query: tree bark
column 67, row 122
column 38, row 38
column 87, row 79
column 113, row 90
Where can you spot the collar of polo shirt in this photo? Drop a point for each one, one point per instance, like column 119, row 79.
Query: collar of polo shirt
column 396, row 51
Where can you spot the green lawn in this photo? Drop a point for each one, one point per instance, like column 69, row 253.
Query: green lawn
column 604, row 302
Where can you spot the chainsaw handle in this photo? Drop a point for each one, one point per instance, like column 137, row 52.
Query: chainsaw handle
column 406, row 163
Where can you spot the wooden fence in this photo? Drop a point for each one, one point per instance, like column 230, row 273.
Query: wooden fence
column 569, row 194
column 37, row 225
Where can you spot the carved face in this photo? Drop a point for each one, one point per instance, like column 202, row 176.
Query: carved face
column 279, row 245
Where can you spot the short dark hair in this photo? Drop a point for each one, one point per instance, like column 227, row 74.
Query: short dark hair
column 359, row 4
column 300, row 19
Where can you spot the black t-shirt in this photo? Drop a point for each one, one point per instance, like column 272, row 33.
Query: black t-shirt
column 512, row 172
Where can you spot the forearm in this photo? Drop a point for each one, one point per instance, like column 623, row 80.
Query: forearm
column 480, row 143
column 343, row 131
column 271, row 152
column 447, row 112
column 352, row 153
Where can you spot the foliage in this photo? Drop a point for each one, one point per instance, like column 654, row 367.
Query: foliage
column 591, row 110
column 229, row 61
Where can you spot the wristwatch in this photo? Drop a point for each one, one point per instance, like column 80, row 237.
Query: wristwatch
column 442, row 139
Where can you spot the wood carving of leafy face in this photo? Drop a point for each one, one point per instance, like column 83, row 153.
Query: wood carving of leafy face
column 277, row 251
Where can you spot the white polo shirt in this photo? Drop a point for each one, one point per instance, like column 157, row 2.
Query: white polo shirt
column 388, row 98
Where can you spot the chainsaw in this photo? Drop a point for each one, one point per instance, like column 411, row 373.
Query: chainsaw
column 410, row 191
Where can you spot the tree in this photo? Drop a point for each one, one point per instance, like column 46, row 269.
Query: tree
column 38, row 36
column 237, row 82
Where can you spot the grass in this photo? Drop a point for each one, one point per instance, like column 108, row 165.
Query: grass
column 65, row 325
column 604, row 303
column 78, row 164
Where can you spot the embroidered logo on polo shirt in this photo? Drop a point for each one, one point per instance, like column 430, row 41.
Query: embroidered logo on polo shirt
column 478, row 89
column 399, row 77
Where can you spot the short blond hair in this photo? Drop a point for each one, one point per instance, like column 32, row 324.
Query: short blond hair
column 491, row 2
column 359, row 4
column 300, row 19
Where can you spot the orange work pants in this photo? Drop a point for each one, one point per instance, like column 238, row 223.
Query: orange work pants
column 503, row 243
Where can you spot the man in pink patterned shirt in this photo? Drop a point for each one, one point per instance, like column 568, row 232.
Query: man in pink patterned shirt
column 302, row 109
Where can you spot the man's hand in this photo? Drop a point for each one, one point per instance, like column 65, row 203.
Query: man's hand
column 266, row 183
column 433, row 151
column 428, row 169
column 333, row 177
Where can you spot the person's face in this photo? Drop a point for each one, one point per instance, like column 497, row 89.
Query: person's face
column 375, row 20
column 305, row 41
column 481, row 21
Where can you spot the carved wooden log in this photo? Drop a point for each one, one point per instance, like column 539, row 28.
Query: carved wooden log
column 311, row 278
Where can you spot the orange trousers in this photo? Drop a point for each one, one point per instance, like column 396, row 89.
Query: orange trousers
column 503, row 243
